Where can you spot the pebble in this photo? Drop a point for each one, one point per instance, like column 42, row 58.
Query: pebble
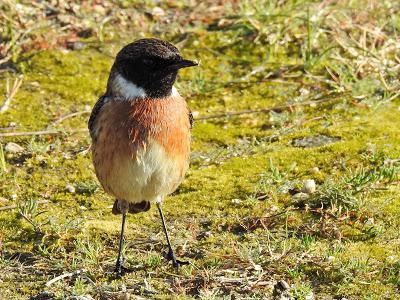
column 304, row 92
column 315, row 170
column 236, row 201
column 76, row 45
column 70, row 188
column 369, row 222
column 310, row 296
column 13, row 148
column 330, row 258
column 300, row 196
column 158, row 12
column 309, row 186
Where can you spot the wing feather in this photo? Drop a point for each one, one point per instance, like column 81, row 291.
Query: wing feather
column 95, row 111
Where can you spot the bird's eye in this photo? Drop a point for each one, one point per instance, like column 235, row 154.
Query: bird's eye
column 148, row 62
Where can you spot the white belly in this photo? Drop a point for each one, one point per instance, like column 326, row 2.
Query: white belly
column 150, row 175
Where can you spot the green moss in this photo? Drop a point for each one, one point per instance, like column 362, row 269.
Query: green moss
column 234, row 211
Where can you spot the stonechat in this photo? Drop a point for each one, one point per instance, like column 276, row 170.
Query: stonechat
column 140, row 130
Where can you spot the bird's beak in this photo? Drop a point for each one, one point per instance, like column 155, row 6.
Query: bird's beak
column 184, row 63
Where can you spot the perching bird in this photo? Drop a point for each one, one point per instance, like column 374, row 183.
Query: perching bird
column 140, row 130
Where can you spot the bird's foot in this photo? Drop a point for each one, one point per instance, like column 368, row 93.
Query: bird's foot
column 175, row 262
column 120, row 269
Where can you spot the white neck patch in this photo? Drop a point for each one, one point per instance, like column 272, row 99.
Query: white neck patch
column 127, row 89
column 174, row 92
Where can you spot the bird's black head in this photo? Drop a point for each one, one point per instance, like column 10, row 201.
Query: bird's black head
column 151, row 65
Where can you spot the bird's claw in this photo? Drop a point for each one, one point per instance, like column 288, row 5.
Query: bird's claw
column 175, row 262
column 120, row 269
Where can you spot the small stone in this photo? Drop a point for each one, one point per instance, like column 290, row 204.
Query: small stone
column 330, row 258
column 309, row 186
column 236, row 201
column 315, row 170
column 300, row 196
column 70, row 188
column 304, row 92
column 13, row 148
column 76, row 45
column 369, row 222
column 158, row 12
column 67, row 156
column 310, row 296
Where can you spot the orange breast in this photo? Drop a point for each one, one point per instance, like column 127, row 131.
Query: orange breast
column 141, row 148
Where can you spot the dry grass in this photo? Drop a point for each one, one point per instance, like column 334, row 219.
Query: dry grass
column 330, row 72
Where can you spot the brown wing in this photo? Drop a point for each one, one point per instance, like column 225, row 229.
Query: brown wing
column 95, row 111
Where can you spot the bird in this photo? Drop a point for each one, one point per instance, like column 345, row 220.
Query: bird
column 141, row 132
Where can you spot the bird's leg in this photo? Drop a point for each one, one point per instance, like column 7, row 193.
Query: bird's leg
column 170, row 255
column 119, row 267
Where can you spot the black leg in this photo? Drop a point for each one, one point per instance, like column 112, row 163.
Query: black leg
column 119, row 268
column 170, row 255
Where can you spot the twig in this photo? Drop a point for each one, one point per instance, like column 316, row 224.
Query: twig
column 36, row 227
column 393, row 97
column 224, row 115
column 9, row 207
column 2, row 199
column 227, row 280
column 10, row 94
column 55, row 279
column 69, row 116
column 279, row 108
column 43, row 132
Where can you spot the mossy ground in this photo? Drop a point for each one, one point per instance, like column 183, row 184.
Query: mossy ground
column 234, row 217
